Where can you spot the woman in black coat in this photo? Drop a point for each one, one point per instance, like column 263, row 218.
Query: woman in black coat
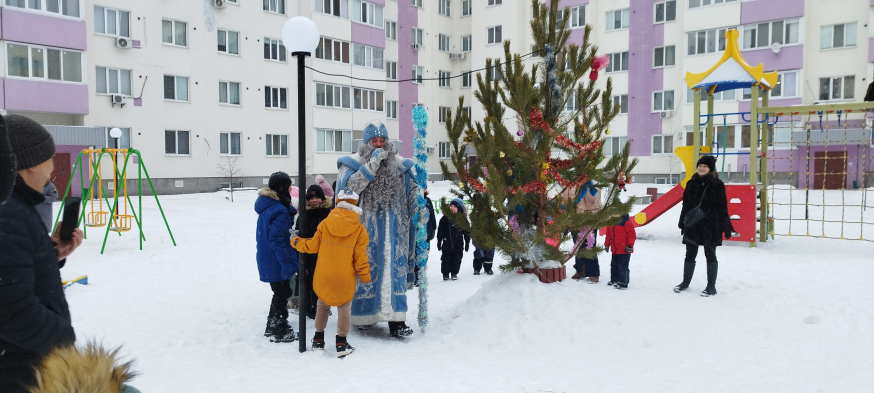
column 705, row 188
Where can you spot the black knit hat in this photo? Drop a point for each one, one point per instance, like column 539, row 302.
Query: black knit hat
column 315, row 191
column 710, row 161
column 31, row 143
column 7, row 164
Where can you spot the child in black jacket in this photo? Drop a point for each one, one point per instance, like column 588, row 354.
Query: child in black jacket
column 317, row 209
column 453, row 242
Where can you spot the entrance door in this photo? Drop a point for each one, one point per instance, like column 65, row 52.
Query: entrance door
column 61, row 173
column 829, row 168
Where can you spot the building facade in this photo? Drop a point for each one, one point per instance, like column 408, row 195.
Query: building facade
column 196, row 84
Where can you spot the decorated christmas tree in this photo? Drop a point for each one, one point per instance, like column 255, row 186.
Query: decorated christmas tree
column 526, row 182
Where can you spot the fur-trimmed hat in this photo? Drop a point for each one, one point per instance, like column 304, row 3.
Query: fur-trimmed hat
column 347, row 195
column 373, row 130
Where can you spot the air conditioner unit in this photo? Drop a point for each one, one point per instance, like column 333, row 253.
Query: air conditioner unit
column 430, row 149
column 123, row 43
column 453, row 56
column 666, row 115
column 218, row 3
column 118, row 99
column 460, row 55
column 417, row 46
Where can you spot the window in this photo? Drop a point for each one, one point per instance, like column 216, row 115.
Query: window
column 617, row 20
column 466, row 42
column 444, row 78
column 391, row 70
column 445, row 150
column 229, row 42
column 725, row 95
column 663, row 101
column 465, row 110
column 571, row 104
column 277, row 145
column 837, row 88
column 666, row 11
column 367, row 13
column 443, row 113
column 704, row 3
column 495, row 2
column 175, row 88
column 391, row 109
column 706, row 41
column 113, row 81
column 367, row 56
column 275, row 6
column 494, row 34
column 787, row 85
column 622, row 101
column 391, row 30
column 417, row 3
column 725, row 136
column 123, row 142
column 838, row 36
column 63, row 7
column 333, row 7
column 663, row 56
column 662, row 144
column 465, row 79
column 28, row 61
column 274, row 50
column 493, row 74
column 334, row 141
column 333, row 95
column 578, row 17
column 177, row 142
column 174, row 32
column 111, row 22
column 444, row 42
column 465, row 7
column 443, row 7
column 334, row 50
column 229, row 93
column 275, row 97
column 368, row 100
column 229, row 143
column 762, row 35
column 418, row 71
column 418, row 36
column 618, row 62
column 613, row 145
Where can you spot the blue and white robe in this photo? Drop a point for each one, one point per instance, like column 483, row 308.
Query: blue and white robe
column 392, row 248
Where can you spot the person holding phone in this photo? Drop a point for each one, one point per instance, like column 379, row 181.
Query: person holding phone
column 34, row 315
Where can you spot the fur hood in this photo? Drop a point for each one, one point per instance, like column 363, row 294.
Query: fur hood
column 267, row 192
column 327, row 203
column 349, row 206
column 89, row 369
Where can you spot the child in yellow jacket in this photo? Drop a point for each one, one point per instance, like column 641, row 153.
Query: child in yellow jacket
column 341, row 242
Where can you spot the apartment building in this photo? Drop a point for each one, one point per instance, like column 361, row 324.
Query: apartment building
column 195, row 83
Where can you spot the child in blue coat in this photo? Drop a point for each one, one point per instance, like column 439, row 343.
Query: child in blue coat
column 276, row 258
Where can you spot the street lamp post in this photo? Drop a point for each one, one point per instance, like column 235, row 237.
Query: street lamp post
column 301, row 37
column 115, row 133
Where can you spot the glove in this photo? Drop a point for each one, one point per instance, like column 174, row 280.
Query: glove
column 294, row 232
column 466, row 247
column 377, row 155
column 439, row 245
column 366, row 286
column 629, row 249
column 728, row 234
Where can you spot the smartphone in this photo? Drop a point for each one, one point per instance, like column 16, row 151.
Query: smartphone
column 71, row 217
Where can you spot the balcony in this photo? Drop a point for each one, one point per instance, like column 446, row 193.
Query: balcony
column 59, row 32
column 34, row 95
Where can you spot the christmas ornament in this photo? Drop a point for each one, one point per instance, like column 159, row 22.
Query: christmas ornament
column 545, row 165
column 509, row 172
column 519, row 132
column 460, row 185
column 501, row 154
column 607, row 131
column 598, row 64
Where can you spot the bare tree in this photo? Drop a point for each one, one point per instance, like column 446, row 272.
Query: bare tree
column 230, row 172
column 671, row 159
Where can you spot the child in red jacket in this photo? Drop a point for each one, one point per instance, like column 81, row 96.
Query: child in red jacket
column 620, row 241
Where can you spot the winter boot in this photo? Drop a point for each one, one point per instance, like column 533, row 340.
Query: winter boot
column 579, row 275
column 454, row 277
column 688, row 270
column 446, row 278
column 712, row 267
column 621, row 286
column 284, row 333
column 592, row 280
column 476, row 272
column 319, row 341
column 399, row 329
column 271, row 323
column 488, row 267
column 343, row 347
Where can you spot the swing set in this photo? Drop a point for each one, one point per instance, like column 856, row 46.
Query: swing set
column 118, row 218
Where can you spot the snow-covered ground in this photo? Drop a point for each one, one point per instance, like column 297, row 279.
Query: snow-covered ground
column 793, row 315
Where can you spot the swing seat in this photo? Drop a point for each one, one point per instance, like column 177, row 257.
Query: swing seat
column 123, row 223
column 97, row 219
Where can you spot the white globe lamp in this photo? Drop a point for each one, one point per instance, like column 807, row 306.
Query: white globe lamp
column 300, row 35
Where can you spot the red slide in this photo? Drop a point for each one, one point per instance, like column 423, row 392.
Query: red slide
column 659, row 206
